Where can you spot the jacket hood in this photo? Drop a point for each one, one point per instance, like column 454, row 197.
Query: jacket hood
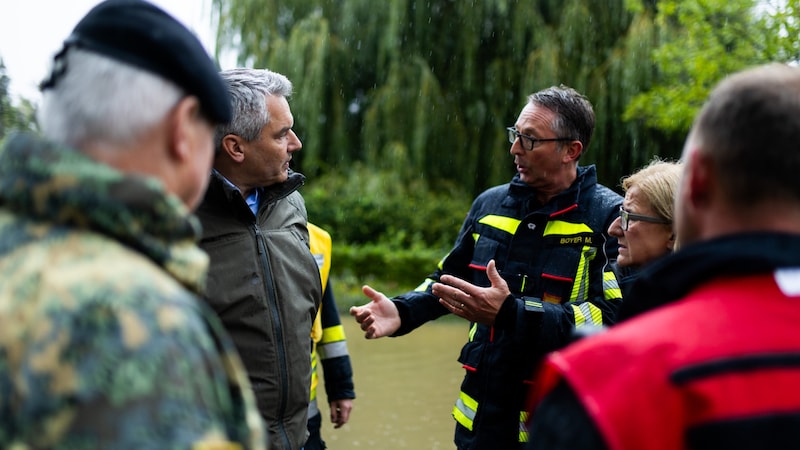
column 674, row 276
column 59, row 185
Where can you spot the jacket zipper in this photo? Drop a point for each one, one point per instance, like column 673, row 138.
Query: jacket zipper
column 272, row 304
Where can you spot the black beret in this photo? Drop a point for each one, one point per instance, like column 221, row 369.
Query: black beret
column 141, row 34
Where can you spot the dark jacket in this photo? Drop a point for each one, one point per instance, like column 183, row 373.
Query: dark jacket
column 104, row 342
column 719, row 323
column 555, row 258
column 264, row 285
column 626, row 276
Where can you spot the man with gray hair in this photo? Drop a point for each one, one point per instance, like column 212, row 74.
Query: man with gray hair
column 104, row 342
column 263, row 282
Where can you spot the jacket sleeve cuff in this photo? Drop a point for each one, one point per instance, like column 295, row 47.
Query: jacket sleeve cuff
column 507, row 315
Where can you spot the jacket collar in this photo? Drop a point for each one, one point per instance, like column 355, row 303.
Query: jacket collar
column 269, row 194
column 520, row 192
column 674, row 276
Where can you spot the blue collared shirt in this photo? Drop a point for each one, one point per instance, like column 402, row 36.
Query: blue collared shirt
column 251, row 200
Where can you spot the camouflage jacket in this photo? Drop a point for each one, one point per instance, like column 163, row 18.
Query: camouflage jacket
column 103, row 342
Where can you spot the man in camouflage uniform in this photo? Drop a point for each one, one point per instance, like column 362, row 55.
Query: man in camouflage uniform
column 103, row 340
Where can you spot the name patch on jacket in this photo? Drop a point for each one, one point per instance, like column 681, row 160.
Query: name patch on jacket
column 576, row 240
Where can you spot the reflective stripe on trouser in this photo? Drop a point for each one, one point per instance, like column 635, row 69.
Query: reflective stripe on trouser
column 464, row 413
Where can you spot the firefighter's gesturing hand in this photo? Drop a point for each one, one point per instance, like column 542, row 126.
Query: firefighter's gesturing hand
column 379, row 317
column 474, row 303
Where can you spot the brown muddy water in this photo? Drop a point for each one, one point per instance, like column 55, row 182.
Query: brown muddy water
column 405, row 389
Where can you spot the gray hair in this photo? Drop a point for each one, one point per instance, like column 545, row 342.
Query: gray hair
column 574, row 113
column 249, row 89
column 99, row 99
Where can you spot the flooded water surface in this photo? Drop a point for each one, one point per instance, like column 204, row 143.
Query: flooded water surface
column 405, row 389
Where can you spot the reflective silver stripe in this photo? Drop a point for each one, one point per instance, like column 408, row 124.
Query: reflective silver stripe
column 313, row 410
column 468, row 413
column 332, row 350
column 464, row 410
column 523, row 429
column 587, row 314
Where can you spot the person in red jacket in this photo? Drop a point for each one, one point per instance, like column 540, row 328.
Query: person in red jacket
column 714, row 360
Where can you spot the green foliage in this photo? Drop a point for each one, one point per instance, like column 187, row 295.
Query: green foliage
column 438, row 81
column 387, row 232
column 20, row 117
column 420, row 91
column 405, row 267
column 364, row 206
column 702, row 41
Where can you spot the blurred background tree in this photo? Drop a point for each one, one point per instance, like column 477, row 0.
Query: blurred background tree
column 402, row 104
column 14, row 117
column 703, row 41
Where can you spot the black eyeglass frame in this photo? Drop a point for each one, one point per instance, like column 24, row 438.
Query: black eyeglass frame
column 513, row 134
column 625, row 219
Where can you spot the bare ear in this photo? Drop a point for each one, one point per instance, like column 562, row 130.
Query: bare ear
column 698, row 181
column 233, row 145
column 572, row 151
column 185, row 119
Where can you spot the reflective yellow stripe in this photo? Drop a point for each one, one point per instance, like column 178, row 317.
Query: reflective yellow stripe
column 560, row 228
column 464, row 410
column 580, row 319
column 507, row 224
column 611, row 289
column 314, row 376
column 533, row 303
column 580, row 288
column 475, row 237
column 424, row 286
column 472, row 331
column 333, row 334
column 523, row 430
column 587, row 314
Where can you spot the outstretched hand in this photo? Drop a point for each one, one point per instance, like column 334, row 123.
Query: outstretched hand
column 379, row 317
column 474, row 303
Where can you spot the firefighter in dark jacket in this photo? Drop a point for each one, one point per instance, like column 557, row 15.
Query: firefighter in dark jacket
column 545, row 233
column 709, row 358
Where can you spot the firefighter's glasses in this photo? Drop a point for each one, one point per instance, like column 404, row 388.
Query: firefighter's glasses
column 528, row 142
column 625, row 219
